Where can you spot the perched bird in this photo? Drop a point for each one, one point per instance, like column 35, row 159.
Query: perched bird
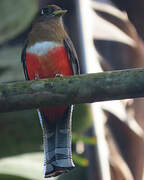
column 49, row 53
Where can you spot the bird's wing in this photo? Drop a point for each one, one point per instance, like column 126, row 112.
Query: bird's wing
column 23, row 59
column 72, row 55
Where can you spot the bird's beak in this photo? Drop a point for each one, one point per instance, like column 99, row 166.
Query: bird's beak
column 59, row 12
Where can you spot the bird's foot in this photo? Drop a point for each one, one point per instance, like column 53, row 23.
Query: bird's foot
column 36, row 77
column 58, row 75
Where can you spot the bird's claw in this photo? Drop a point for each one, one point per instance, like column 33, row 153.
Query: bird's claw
column 58, row 75
column 36, row 77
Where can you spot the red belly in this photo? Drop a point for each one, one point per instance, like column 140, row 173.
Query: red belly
column 47, row 66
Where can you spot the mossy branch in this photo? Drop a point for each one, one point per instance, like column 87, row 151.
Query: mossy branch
column 88, row 88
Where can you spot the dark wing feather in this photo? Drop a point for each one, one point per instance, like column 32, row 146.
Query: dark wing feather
column 23, row 59
column 72, row 55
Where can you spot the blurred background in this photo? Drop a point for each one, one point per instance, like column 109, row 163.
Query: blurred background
column 108, row 137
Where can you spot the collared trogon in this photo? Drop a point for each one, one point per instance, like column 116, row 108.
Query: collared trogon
column 49, row 53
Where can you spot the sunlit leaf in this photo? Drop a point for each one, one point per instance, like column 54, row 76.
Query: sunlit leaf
column 80, row 160
column 84, row 139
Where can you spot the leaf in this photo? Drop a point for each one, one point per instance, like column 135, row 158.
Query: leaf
column 11, row 177
column 4, row 69
column 80, row 160
column 26, row 165
column 84, row 139
column 82, row 118
column 15, row 16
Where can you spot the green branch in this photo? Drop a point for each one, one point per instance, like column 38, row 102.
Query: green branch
column 88, row 88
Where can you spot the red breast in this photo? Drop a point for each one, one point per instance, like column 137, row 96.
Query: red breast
column 46, row 60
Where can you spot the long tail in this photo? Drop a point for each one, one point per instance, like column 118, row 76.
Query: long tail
column 57, row 144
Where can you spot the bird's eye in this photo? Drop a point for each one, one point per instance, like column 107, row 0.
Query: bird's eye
column 46, row 11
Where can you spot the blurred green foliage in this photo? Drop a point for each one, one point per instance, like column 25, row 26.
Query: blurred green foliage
column 9, row 177
column 27, row 165
column 82, row 118
column 20, row 132
column 79, row 173
column 80, row 160
column 84, row 139
column 15, row 16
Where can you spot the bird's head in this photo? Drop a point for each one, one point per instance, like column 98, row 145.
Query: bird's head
column 51, row 11
column 48, row 24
